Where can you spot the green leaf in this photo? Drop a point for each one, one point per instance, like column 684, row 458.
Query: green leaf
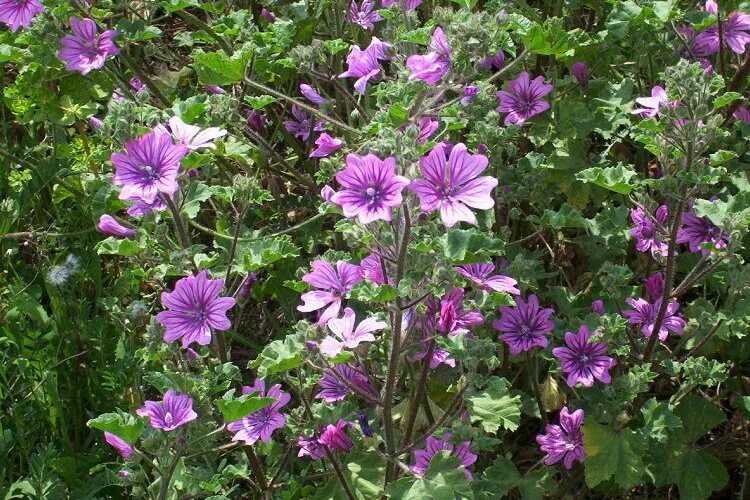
column 279, row 356
column 365, row 472
column 549, row 39
column 176, row 5
column 494, row 407
column 726, row 98
column 617, row 178
column 621, row 16
column 721, row 156
column 216, row 68
column 698, row 474
column 117, row 246
column 497, row 480
column 567, row 216
column 535, row 484
column 367, row 291
column 462, row 244
column 260, row 102
column 197, row 193
column 122, row 425
column 611, row 454
column 743, row 403
column 252, row 255
column 698, row 416
column 663, row 10
column 466, row 4
column 735, row 212
column 443, row 480
column 333, row 47
column 233, row 409
column 659, row 420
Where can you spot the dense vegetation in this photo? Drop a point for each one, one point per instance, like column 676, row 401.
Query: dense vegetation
column 412, row 249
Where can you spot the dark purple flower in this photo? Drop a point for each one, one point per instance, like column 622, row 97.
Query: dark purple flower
column 431, row 67
column 470, row 92
column 148, row 168
column 333, row 387
column 326, row 146
column 310, row 447
column 410, row 4
column 565, row 441
column 495, row 62
column 85, row 49
column 123, row 447
column 262, row 423
column 108, row 225
column 646, row 231
column 582, row 360
column 257, row 121
column 95, row 123
column 332, row 284
column 597, row 307
column 427, row 127
column 19, row 13
column 479, row 274
column 524, row 326
column 453, row 319
column 523, row 99
column 170, row 413
column 301, row 126
column 422, row 458
column 439, row 356
column 743, row 114
column 311, row 94
column 452, row 184
column 372, row 266
column 345, row 336
column 580, row 72
column 247, row 285
column 141, row 208
column 371, row 188
column 644, row 314
column 364, row 425
column 335, row 438
column 654, row 286
column 215, row 89
column 194, row 308
column 734, row 31
column 267, row 15
column 364, row 65
column 364, row 15
column 699, row 230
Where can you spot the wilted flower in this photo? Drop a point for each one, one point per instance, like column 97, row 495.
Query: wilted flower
column 326, row 146
column 470, row 92
column 422, row 458
column 452, row 184
column 743, row 114
column 734, row 32
column 427, row 127
column 19, row 13
column 346, row 336
column 646, row 231
column 85, row 49
column 431, row 67
column 479, row 274
column 257, row 121
column 333, row 387
column 262, row 423
column 267, row 15
column 654, row 286
column 452, row 318
column 335, row 438
column 439, row 356
column 247, row 285
column 371, row 188
column 495, row 61
column 524, row 326
column 195, row 307
column 311, row 94
column 301, row 126
column 141, row 208
column 108, row 225
column 364, row 425
column 580, row 72
column 711, row 7
column 365, row 15
column 124, row 474
column 136, row 86
column 699, row 230
column 597, row 306
column 123, row 447
column 583, row 360
column 310, row 447
column 523, row 99
column 644, row 314
column 215, row 89
column 364, row 65
column 565, row 441
column 95, row 123
column 372, row 266
column 190, row 136
column 332, row 284
column 170, row 413
column 148, row 168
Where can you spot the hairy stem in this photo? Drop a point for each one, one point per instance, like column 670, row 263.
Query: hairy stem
column 419, row 394
column 340, row 474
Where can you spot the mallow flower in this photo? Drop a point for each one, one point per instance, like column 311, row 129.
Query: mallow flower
column 583, row 360
column 190, row 136
column 108, row 225
column 332, row 286
column 523, row 99
column 123, row 447
column 734, row 32
column 479, row 274
column 564, row 441
column 311, row 94
column 17, row 14
column 431, row 67
column 699, row 230
column 651, row 106
column 346, row 336
column 646, row 230
column 301, row 126
column 644, row 314
column 334, row 389
column 262, row 423
column 364, row 65
column 86, row 49
column 364, row 15
column 335, row 437
column 433, row 446
column 451, row 184
column 173, row 411
column 524, row 326
column 326, row 146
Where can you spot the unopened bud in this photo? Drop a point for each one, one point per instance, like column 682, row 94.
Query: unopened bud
column 552, row 397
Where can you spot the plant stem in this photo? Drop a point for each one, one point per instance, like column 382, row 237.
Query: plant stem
column 447, row 413
column 166, row 479
column 181, row 231
column 531, row 364
column 703, row 341
column 288, row 230
column 340, row 474
column 419, row 394
column 257, row 468
column 145, row 79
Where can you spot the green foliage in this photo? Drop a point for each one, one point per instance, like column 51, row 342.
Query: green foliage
column 494, row 407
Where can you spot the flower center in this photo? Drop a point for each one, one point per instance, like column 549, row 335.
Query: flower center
column 525, row 330
column 374, row 195
column 583, row 359
column 647, row 230
column 168, row 418
column 151, row 173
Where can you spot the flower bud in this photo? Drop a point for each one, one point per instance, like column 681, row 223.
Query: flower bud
column 551, row 395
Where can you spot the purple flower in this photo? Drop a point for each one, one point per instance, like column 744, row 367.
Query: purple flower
column 365, row 16
column 470, row 92
column 580, row 72
column 191, row 355
column 195, row 307
column 364, row 65
column 327, row 193
column 646, row 231
column 734, row 31
column 335, row 438
column 699, row 230
column 310, row 447
column 124, row 474
column 95, row 123
column 257, row 121
column 311, row 95
column 190, row 136
column 372, row 266
column 301, row 126
column 332, row 284
column 141, row 208
column 364, row 425
column 495, row 62
column 372, row 188
column 644, row 314
column 654, row 286
column 711, row 7
column 19, row 13
column 523, row 99
column 743, row 114
column 119, row 444
column 85, row 49
column 452, row 184
column 478, row 274
column 422, row 458
column 267, row 15
column 148, row 168
column 108, row 225
column 214, row 89
column 652, row 105
column 170, row 413
column 524, row 326
column 327, row 145
column 333, row 387
column 597, row 307
column 453, row 319
column 346, row 336
column 410, row 4
column 247, row 285
column 135, row 84
column 262, row 423
column 431, row 67
column 565, row 441
column 439, row 356
column 427, row 127
column 582, row 360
